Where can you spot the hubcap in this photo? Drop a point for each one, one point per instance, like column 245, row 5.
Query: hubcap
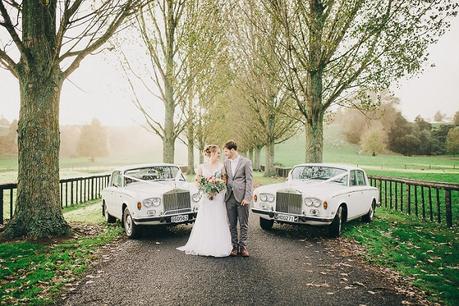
column 128, row 225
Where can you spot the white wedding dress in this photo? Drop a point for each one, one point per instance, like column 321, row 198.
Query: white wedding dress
column 210, row 235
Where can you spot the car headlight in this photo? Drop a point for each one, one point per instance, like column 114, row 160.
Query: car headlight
column 266, row 197
column 312, row 202
column 152, row 202
column 196, row 197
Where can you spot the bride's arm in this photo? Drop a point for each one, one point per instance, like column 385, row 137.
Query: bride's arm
column 198, row 174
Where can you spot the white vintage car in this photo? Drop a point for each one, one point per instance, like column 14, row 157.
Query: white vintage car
column 151, row 194
column 317, row 194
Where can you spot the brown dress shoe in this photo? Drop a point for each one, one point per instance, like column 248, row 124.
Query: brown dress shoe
column 233, row 252
column 244, row 252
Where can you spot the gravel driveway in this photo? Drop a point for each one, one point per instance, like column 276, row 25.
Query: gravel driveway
column 288, row 266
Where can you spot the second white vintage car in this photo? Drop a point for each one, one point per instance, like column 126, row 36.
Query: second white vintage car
column 151, row 194
column 317, row 194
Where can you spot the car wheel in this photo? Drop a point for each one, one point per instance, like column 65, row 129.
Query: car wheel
column 266, row 224
column 336, row 227
column 130, row 228
column 371, row 213
column 108, row 218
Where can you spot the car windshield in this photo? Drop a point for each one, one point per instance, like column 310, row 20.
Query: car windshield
column 157, row 173
column 315, row 172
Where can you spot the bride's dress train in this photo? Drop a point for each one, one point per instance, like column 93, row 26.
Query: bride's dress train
column 210, row 235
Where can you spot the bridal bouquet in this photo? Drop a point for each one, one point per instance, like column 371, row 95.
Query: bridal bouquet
column 211, row 186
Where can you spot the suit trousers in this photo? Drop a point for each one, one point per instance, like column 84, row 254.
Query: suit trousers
column 237, row 212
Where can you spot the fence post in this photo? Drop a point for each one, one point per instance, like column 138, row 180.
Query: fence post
column 423, row 203
column 71, row 192
column 81, row 189
column 92, row 188
column 416, row 199
column 438, row 205
column 390, row 194
column 1, row 205
column 66, row 194
column 449, row 213
column 430, row 203
column 401, row 196
column 396, row 196
column 385, row 193
column 11, row 204
column 408, row 190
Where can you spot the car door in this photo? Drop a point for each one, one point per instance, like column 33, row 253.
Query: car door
column 113, row 194
column 355, row 196
column 366, row 194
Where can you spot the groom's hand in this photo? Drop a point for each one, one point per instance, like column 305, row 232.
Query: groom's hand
column 245, row 202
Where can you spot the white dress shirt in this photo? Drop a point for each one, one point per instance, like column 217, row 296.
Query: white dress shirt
column 234, row 163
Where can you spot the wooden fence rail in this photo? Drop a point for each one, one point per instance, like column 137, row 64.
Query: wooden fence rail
column 72, row 191
column 431, row 201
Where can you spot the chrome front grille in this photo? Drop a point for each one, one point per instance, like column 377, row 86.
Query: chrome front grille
column 287, row 202
column 176, row 201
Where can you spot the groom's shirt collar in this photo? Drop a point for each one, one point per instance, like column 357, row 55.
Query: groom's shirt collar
column 234, row 163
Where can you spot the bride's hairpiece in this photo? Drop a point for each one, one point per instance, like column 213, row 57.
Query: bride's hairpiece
column 209, row 149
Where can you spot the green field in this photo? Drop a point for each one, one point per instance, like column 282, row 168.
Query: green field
column 443, row 168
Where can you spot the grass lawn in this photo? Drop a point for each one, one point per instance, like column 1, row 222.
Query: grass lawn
column 447, row 177
column 426, row 252
column 33, row 273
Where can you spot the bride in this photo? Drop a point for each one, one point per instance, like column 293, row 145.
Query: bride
column 210, row 235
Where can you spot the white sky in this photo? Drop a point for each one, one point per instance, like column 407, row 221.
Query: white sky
column 98, row 89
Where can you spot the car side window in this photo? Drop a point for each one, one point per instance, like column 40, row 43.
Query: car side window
column 116, row 179
column 361, row 178
column 353, row 180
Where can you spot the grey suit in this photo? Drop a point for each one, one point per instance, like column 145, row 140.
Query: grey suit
column 239, row 187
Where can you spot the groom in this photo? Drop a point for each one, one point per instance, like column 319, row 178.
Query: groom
column 238, row 196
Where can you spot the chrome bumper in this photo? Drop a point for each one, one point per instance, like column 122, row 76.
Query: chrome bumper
column 163, row 220
column 299, row 219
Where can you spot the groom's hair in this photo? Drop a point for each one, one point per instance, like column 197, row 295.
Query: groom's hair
column 231, row 145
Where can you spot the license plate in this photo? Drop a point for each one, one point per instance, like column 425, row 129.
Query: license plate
column 178, row 219
column 286, row 218
column 151, row 212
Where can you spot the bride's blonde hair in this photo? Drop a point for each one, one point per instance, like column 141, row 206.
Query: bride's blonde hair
column 210, row 149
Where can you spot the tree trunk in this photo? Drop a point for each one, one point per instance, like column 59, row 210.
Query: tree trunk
column 256, row 159
column 200, row 139
column 269, row 169
column 190, row 139
column 38, row 211
column 269, row 160
column 314, row 122
column 314, row 140
column 251, row 154
column 169, row 126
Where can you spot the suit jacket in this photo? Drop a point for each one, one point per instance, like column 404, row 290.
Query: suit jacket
column 241, row 182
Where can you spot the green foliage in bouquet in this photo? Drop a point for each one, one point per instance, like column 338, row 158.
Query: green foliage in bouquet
column 211, row 185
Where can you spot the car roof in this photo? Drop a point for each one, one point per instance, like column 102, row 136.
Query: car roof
column 137, row 166
column 342, row 166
